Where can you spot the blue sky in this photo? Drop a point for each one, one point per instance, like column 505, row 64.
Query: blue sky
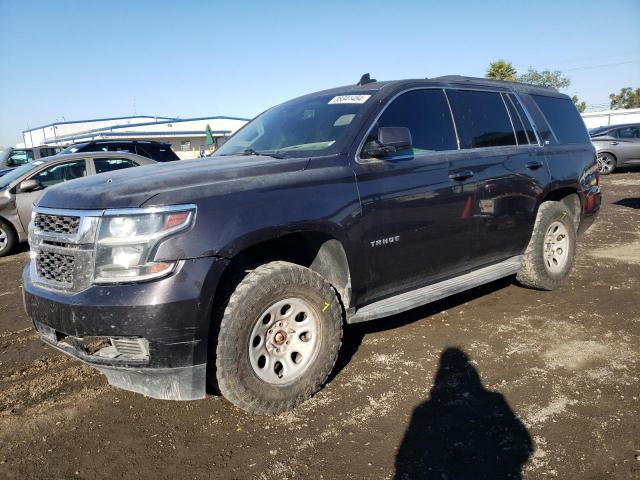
column 89, row 59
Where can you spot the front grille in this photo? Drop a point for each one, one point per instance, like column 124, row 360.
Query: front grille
column 55, row 267
column 56, row 223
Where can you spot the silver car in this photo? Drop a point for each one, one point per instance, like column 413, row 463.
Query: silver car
column 616, row 146
column 22, row 186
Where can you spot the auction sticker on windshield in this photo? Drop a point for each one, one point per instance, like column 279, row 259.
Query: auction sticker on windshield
column 349, row 99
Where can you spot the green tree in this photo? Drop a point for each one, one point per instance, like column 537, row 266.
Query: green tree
column 545, row 78
column 581, row 106
column 501, row 70
column 627, row 98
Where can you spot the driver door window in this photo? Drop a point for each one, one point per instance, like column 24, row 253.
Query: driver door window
column 427, row 116
column 61, row 172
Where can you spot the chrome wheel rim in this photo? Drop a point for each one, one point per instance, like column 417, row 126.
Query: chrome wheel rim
column 605, row 163
column 556, row 247
column 3, row 239
column 284, row 341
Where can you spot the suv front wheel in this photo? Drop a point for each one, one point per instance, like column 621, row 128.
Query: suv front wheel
column 278, row 339
column 549, row 256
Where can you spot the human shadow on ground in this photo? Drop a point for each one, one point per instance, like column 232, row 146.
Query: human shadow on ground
column 628, row 202
column 353, row 335
column 462, row 431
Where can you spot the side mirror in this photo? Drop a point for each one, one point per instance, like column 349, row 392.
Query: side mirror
column 29, row 185
column 390, row 140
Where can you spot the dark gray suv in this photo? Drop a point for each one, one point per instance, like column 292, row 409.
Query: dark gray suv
column 616, row 146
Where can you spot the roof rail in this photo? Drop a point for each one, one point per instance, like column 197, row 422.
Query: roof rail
column 489, row 81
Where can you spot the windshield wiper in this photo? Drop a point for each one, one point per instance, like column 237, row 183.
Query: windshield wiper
column 251, row 151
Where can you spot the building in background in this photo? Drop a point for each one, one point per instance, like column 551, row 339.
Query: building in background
column 611, row 117
column 186, row 135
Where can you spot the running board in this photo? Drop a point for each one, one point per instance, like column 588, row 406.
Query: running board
column 431, row 293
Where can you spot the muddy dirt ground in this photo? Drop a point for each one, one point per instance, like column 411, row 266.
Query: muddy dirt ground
column 499, row 382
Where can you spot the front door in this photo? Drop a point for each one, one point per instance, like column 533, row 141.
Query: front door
column 416, row 209
column 51, row 175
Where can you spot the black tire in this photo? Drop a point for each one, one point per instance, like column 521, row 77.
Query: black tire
column 607, row 163
column 536, row 269
column 257, row 291
column 8, row 238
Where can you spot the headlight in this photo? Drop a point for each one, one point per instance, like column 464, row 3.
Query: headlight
column 127, row 241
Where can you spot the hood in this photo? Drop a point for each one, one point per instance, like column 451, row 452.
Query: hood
column 4, row 170
column 133, row 187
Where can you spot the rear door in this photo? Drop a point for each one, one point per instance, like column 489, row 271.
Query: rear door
column 509, row 168
column 417, row 222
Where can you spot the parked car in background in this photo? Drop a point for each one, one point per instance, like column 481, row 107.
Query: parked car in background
column 616, row 146
column 342, row 206
column 14, row 157
column 158, row 151
column 24, row 185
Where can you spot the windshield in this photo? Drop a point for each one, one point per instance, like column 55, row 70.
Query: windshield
column 16, row 173
column 595, row 131
column 304, row 127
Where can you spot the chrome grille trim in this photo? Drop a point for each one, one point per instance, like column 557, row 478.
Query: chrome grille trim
column 62, row 257
column 56, row 223
column 56, row 267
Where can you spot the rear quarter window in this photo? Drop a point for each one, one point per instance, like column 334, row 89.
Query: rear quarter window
column 159, row 153
column 563, row 118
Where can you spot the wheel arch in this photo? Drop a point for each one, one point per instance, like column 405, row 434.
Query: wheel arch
column 316, row 250
column 570, row 196
column 608, row 152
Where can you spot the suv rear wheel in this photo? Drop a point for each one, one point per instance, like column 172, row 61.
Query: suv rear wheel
column 279, row 338
column 549, row 256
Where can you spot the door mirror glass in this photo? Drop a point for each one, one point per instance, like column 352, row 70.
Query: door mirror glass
column 29, row 185
column 389, row 141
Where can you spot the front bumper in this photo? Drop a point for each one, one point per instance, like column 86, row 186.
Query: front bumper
column 171, row 316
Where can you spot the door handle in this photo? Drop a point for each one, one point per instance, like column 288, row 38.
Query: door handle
column 459, row 176
column 613, row 143
column 534, row 164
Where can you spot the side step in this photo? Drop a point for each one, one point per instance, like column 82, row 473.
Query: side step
column 431, row 293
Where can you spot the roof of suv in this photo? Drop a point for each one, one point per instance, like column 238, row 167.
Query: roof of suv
column 444, row 81
column 144, row 142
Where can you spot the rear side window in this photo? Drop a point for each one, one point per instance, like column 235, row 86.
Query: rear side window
column 481, row 118
column 522, row 116
column 110, row 164
column 629, row 132
column 426, row 114
column 563, row 118
column 518, row 126
column 159, row 153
